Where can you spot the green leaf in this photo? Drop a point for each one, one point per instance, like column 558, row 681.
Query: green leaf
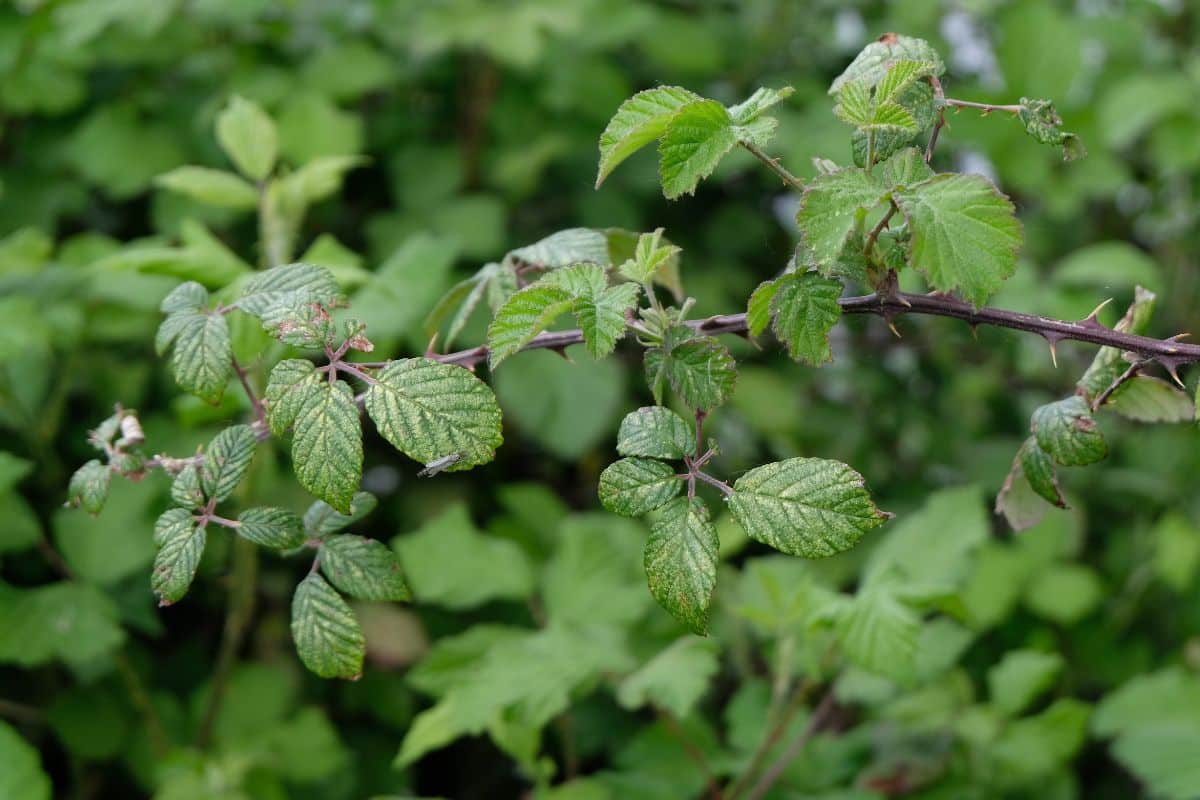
column 965, row 234
column 564, row 248
column 288, row 287
column 180, row 545
column 756, row 104
column 1176, row 551
column 878, row 632
column 21, row 773
column 1165, row 697
column 1038, row 468
column 904, row 169
column 634, row 486
column 1147, row 399
column 276, row 528
column 203, row 358
column 89, row 487
column 429, row 410
column 226, row 461
column 758, row 307
column 69, row 621
column 327, row 449
column 652, row 257
column 328, row 638
column 655, row 432
column 187, row 296
column 292, row 384
column 1064, row 593
column 248, row 137
column 1020, row 677
column 363, row 568
column 594, row 578
column 675, row 680
column 833, row 207
column 212, row 187
column 806, row 309
column 699, row 368
column 698, row 137
column 317, row 179
column 484, row 567
column 1166, row 759
column 640, row 120
column 1033, row 747
column 681, row 561
column 809, row 507
column 601, row 316
column 522, row 317
column 1068, row 433
column 1044, row 124
column 321, row 519
column 874, row 61
column 1109, row 363
column 185, row 489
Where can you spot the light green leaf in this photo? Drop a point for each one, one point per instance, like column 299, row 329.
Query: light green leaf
column 756, row 104
column 699, row 368
column 675, row 680
column 185, row 489
column 904, row 169
column 328, row 638
column 1176, row 551
column 187, row 296
column 484, row 567
column 212, row 187
column 640, row 120
column 321, row 519
column 287, row 287
column 429, row 410
column 1068, row 433
column 878, row 632
column 1109, row 363
column 809, row 507
column 965, row 234
column 602, row 317
column 67, row 621
column 873, row 62
column 758, row 307
column 89, row 487
column 180, row 545
column 634, row 486
column 594, row 578
column 203, row 358
column 327, row 449
column 1165, row 758
column 655, row 432
column 1038, row 469
column 363, row 568
column 832, row 208
column 1147, row 399
column 806, row 309
column 317, row 179
column 248, row 137
column 1033, row 747
column 293, row 382
column 522, row 317
column 1020, row 677
column 276, row 528
column 21, row 773
column 681, row 561
column 651, row 258
column 226, row 460
column 1165, row 697
column 1064, row 593
column 564, row 248
column 697, row 138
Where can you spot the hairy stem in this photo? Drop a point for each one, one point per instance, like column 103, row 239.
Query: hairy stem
column 774, row 165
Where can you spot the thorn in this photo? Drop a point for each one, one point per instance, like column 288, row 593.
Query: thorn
column 429, row 349
column 1052, row 340
column 562, row 351
column 902, row 300
column 974, row 330
column 1090, row 320
column 1172, row 368
column 1179, row 336
column 892, row 325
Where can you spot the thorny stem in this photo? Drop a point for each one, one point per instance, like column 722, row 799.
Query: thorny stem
column 774, row 165
column 819, row 717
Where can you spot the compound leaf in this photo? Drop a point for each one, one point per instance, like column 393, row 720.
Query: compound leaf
column 640, row 120
column 698, row 137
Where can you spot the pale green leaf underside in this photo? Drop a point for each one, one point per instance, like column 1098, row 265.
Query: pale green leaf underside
column 1147, row 399
column 429, row 410
column 328, row 638
column 1038, row 469
column 965, row 234
column 365, row 569
column 699, row 136
column 327, row 449
column 180, row 545
column 288, row 286
column 655, row 432
column 640, row 120
column 756, row 104
column 810, row 507
column 634, row 486
column 681, row 561
column 564, row 248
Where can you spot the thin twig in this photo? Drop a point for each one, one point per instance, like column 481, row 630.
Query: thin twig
column 878, row 229
column 1132, row 370
column 774, row 165
column 815, row 723
column 986, row 108
column 260, row 412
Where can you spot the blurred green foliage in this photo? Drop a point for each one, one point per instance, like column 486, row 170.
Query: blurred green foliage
column 1069, row 668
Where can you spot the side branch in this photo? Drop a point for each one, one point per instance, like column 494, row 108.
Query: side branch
column 1168, row 352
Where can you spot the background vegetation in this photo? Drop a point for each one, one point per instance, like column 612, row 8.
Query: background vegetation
column 1070, row 666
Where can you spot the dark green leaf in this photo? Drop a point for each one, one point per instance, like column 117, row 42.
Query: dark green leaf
column 681, row 561
column 327, row 449
column 1068, row 433
column 276, row 528
column 363, row 568
column 291, row 386
column 328, row 638
column 89, row 487
column 806, row 309
column 655, row 432
column 321, row 519
column 226, row 461
column 180, row 545
column 202, row 361
column 185, row 489
column 633, row 486
column 1039, row 471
